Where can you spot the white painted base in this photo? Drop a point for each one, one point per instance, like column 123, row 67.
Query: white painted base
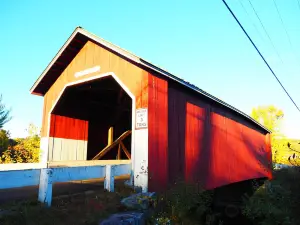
column 140, row 173
column 61, row 149
column 44, row 146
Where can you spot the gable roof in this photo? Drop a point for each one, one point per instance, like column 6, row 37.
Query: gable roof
column 78, row 39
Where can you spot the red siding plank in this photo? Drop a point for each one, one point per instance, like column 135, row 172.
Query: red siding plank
column 269, row 154
column 69, row 128
column 158, row 133
column 194, row 139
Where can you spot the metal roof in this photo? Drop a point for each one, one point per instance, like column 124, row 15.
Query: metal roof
column 124, row 53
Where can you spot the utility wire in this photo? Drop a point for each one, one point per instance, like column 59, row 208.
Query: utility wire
column 254, row 25
column 261, row 23
column 287, row 34
column 260, row 54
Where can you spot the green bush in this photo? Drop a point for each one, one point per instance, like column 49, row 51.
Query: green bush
column 183, row 204
column 24, row 150
column 4, row 140
column 277, row 201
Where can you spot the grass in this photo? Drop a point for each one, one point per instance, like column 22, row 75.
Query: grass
column 90, row 208
column 76, row 209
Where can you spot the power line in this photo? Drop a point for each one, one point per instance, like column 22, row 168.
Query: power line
column 261, row 23
column 254, row 25
column 298, row 3
column 287, row 34
column 260, row 54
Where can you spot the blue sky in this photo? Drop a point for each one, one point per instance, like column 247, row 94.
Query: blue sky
column 196, row 40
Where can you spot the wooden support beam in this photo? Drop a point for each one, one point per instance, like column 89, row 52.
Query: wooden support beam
column 115, row 143
column 82, row 163
column 125, row 150
column 110, row 136
column 119, row 152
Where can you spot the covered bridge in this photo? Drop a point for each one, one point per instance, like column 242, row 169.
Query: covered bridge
column 104, row 103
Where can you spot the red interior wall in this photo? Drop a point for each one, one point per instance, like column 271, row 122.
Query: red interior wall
column 69, row 128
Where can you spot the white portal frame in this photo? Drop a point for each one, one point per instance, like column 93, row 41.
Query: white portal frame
column 45, row 142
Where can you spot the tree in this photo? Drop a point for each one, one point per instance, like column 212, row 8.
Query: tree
column 26, row 150
column 4, row 140
column 269, row 116
column 272, row 117
column 4, row 114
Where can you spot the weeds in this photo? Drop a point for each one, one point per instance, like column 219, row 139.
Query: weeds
column 276, row 202
column 76, row 209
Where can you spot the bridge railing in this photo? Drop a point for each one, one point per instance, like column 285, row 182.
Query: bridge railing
column 45, row 177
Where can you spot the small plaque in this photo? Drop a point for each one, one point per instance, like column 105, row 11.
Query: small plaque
column 141, row 118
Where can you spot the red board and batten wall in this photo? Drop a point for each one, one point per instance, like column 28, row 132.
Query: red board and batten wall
column 188, row 136
column 194, row 138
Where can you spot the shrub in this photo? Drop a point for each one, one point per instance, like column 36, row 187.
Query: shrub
column 183, row 204
column 276, row 202
column 4, row 140
column 25, row 150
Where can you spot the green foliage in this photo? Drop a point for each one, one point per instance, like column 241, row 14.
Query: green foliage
column 276, row 202
column 183, row 204
column 4, row 140
column 272, row 117
column 269, row 116
column 26, row 150
column 4, row 114
column 73, row 209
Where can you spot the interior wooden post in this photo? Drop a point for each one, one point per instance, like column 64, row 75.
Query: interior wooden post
column 119, row 152
column 110, row 136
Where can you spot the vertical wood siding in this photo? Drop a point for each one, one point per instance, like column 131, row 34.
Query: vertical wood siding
column 68, row 128
column 92, row 55
column 194, row 139
column 269, row 153
column 177, row 128
column 216, row 146
column 68, row 138
column 158, row 133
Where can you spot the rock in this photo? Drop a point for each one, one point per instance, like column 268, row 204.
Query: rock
column 139, row 201
column 127, row 218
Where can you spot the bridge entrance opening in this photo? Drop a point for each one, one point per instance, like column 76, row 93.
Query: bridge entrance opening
column 92, row 120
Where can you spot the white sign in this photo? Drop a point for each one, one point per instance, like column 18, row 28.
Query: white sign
column 141, row 118
column 87, row 71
